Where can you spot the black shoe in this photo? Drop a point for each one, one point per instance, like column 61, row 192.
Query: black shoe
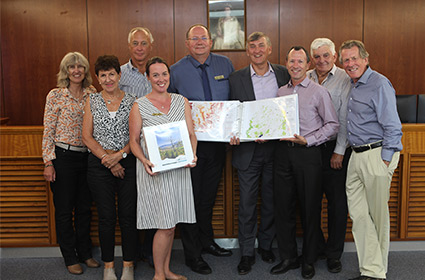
column 244, row 267
column 266, row 255
column 307, row 270
column 285, row 265
column 217, row 251
column 198, row 265
column 334, row 265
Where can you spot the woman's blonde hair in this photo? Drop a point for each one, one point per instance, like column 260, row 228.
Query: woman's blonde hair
column 69, row 59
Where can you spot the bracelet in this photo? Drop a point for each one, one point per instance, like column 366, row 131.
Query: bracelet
column 47, row 165
column 104, row 155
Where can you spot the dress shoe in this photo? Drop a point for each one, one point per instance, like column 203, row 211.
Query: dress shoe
column 217, row 251
column 307, row 271
column 109, row 274
column 266, row 255
column 244, row 267
column 92, row 263
column 334, row 265
column 75, row 269
column 127, row 273
column 198, row 265
column 285, row 265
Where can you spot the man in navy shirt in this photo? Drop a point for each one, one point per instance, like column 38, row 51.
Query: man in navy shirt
column 202, row 76
column 374, row 133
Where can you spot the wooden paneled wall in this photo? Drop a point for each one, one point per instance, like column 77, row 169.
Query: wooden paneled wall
column 34, row 38
column 27, row 211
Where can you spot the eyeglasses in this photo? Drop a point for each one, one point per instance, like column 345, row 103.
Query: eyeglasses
column 195, row 39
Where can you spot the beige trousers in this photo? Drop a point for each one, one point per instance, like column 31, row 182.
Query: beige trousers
column 368, row 192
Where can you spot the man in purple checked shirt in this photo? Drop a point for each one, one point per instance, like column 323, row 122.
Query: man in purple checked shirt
column 298, row 167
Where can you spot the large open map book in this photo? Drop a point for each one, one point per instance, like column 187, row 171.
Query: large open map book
column 268, row 119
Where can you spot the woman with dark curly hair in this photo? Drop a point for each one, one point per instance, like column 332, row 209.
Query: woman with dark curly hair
column 111, row 167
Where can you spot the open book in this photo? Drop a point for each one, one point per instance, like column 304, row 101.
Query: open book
column 268, row 119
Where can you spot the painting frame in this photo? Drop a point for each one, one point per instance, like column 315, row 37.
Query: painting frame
column 227, row 24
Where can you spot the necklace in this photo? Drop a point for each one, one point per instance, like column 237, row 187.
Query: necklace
column 109, row 101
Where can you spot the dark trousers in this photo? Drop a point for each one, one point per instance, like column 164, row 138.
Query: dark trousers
column 260, row 167
column 298, row 174
column 72, row 199
column 333, row 184
column 104, row 187
column 205, row 179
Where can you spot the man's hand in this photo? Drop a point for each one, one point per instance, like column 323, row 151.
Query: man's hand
column 387, row 163
column 234, row 141
column 336, row 161
column 298, row 139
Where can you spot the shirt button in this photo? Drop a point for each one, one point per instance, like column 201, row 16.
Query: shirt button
column 351, row 98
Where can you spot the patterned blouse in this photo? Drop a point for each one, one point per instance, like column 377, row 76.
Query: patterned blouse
column 111, row 133
column 63, row 120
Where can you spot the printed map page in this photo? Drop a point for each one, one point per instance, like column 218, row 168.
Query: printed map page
column 273, row 118
column 216, row 120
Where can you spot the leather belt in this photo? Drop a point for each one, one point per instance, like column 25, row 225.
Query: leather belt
column 292, row 144
column 71, row 148
column 361, row 149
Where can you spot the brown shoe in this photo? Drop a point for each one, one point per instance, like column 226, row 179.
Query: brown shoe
column 92, row 263
column 75, row 269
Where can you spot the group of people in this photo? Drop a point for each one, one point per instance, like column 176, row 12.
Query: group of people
column 348, row 148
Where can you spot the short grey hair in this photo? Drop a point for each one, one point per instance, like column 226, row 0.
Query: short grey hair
column 137, row 29
column 320, row 42
column 257, row 36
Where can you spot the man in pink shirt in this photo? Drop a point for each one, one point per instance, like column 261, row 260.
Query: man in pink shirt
column 298, row 167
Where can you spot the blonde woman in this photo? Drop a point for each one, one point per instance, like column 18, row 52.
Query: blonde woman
column 65, row 160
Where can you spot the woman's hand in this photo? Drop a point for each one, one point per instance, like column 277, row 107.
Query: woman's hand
column 111, row 160
column 118, row 171
column 49, row 174
column 193, row 164
column 148, row 166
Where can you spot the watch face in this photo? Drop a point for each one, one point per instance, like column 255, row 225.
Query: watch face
column 124, row 155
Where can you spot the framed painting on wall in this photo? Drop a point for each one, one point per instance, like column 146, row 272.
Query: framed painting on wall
column 226, row 22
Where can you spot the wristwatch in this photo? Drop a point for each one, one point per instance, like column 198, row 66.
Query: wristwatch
column 124, row 154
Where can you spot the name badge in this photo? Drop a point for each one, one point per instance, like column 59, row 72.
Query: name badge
column 220, row 77
column 156, row 114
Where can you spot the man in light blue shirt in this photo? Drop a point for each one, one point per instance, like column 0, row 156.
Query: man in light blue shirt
column 202, row 76
column 374, row 133
column 133, row 73
column 133, row 80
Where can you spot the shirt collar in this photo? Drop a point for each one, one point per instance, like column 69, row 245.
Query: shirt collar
column 316, row 76
column 363, row 79
column 304, row 83
column 131, row 66
column 252, row 71
column 196, row 63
